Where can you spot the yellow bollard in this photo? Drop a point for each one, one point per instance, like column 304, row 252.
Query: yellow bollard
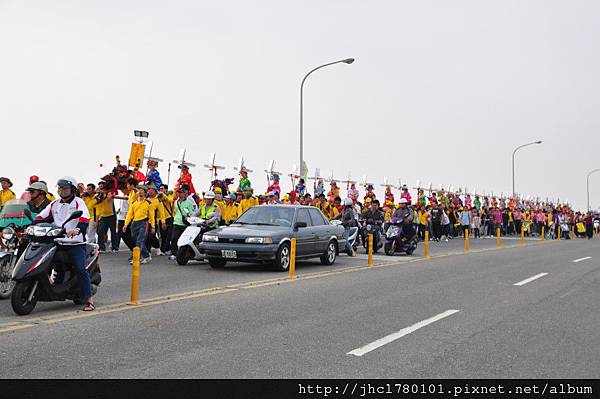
column 498, row 234
column 573, row 232
column 427, row 243
column 370, row 258
column 543, row 233
column 467, row 240
column 522, row 235
column 293, row 259
column 558, row 231
column 135, row 277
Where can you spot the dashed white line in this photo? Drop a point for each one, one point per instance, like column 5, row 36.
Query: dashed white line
column 530, row 279
column 580, row 259
column 405, row 331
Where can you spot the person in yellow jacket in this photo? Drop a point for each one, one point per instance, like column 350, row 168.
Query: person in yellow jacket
column 141, row 217
column 249, row 200
column 166, row 202
column 160, row 219
column 219, row 201
column 323, row 205
column 89, row 198
column 6, row 194
column 107, row 220
column 231, row 211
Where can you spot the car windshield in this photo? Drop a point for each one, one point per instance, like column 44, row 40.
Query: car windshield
column 268, row 216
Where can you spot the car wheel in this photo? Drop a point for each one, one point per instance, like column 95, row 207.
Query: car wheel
column 328, row 258
column 217, row 263
column 183, row 256
column 282, row 259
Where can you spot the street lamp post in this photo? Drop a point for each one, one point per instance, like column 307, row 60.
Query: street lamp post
column 345, row 61
column 588, row 187
column 513, row 162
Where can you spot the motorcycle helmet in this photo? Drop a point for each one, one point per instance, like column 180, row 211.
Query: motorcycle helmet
column 348, row 202
column 403, row 201
column 209, row 195
column 66, row 182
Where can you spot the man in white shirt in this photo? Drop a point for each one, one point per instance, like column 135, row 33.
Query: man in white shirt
column 74, row 243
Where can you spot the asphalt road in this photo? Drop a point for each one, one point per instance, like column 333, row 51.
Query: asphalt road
column 450, row 316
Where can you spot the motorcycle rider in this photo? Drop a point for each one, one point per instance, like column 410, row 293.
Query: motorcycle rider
column 348, row 221
column 406, row 213
column 37, row 197
column 74, row 243
column 374, row 216
column 209, row 206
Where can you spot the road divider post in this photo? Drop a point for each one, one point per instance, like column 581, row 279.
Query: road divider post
column 522, row 236
column 498, row 235
column 426, row 243
column 573, row 232
column 370, row 258
column 543, row 233
column 135, row 277
column 293, row 259
column 467, row 240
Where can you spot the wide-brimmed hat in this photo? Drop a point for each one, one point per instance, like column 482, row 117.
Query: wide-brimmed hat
column 6, row 179
column 38, row 186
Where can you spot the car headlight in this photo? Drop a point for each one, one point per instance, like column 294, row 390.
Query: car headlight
column 259, row 240
column 210, row 238
column 8, row 233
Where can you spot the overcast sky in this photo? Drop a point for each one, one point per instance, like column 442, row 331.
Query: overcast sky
column 441, row 91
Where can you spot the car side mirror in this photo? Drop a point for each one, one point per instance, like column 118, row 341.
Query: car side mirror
column 74, row 215
column 299, row 225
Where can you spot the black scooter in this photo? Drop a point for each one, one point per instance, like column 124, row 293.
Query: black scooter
column 44, row 273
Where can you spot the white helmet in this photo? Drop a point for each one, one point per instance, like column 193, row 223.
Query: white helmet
column 209, row 195
column 67, row 181
column 348, row 202
column 403, row 201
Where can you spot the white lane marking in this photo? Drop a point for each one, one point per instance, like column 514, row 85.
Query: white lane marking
column 405, row 331
column 580, row 259
column 530, row 279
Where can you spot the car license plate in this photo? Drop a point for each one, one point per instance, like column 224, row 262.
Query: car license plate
column 229, row 254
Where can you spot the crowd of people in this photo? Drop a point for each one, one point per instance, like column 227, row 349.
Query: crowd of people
column 140, row 210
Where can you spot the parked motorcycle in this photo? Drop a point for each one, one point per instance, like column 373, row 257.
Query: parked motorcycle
column 42, row 259
column 395, row 239
column 12, row 224
column 187, row 245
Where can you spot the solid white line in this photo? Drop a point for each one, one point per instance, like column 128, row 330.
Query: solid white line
column 405, row 331
column 580, row 259
column 530, row 279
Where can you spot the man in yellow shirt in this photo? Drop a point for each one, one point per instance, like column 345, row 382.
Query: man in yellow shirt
column 249, row 200
column 89, row 197
column 141, row 217
column 107, row 219
column 166, row 203
column 231, row 211
column 159, row 219
column 324, row 206
column 423, row 218
column 6, row 194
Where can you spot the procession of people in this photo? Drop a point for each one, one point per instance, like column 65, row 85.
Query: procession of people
column 140, row 210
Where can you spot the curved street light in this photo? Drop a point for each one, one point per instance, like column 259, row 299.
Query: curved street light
column 588, row 187
column 345, row 61
column 513, row 162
